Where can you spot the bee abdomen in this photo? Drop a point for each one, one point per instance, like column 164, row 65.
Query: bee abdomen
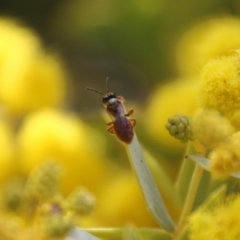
column 123, row 129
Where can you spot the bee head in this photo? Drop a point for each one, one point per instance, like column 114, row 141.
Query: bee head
column 109, row 99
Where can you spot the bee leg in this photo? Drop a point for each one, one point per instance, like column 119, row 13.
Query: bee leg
column 111, row 130
column 110, row 123
column 133, row 121
column 130, row 112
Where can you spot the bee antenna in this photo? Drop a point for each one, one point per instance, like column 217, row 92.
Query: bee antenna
column 107, row 84
column 91, row 89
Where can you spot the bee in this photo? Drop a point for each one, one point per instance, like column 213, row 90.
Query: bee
column 121, row 125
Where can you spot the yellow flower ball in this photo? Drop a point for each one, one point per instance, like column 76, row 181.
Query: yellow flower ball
column 122, row 203
column 226, row 158
column 16, row 42
column 209, row 39
column 29, row 78
column 219, row 223
column 55, row 135
column 41, row 84
column 216, row 128
column 8, row 164
column 177, row 97
column 219, row 87
column 234, row 117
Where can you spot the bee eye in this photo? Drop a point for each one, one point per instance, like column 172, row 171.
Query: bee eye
column 104, row 101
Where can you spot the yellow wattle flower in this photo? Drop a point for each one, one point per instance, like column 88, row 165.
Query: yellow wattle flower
column 16, row 42
column 210, row 128
column 226, row 158
column 209, row 39
column 219, row 87
column 55, row 135
column 234, row 119
column 41, row 84
column 29, row 78
column 219, row 223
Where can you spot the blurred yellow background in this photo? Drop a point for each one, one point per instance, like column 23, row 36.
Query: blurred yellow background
column 50, row 51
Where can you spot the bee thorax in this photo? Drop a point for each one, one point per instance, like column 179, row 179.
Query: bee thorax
column 112, row 101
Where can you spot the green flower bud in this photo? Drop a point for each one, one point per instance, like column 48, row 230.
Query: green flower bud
column 12, row 194
column 57, row 226
column 81, row 201
column 179, row 126
column 43, row 182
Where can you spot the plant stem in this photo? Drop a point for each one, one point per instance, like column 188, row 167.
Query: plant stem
column 193, row 187
column 118, row 233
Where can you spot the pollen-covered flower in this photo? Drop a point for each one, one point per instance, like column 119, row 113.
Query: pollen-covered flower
column 219, row 223
column 213, row 38
column 234, row 119
column 210, row 128
column 226, row 158
column 220, row 85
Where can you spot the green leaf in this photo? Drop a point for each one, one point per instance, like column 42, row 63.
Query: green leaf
column 148, row 186
column 205, row 163
column 164, row 184
column 236, row 175
column 131, row 234
column 202, row 161
column 78, row 234
column 203, row 190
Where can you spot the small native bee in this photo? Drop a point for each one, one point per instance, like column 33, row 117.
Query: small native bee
column 121, row 126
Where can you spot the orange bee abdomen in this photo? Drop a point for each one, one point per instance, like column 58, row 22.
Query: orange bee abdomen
column 123, row 129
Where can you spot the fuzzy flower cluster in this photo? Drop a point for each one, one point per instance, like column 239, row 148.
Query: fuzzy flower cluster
column 210, row 128
column 218, row 90
column 225, row 158
column 207, row 40
column 215, row 125
column 43, row 182
column 219, row 223
column 39, row 198
column 220, row 84
column 219, row 96
column 30, row 77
